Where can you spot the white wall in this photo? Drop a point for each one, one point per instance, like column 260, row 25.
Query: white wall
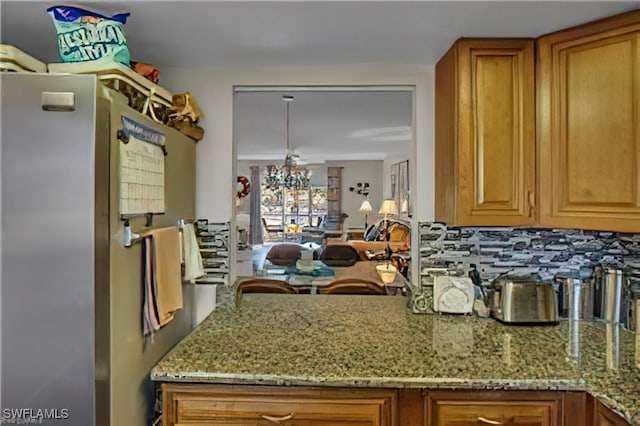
column 352, row 173
column 213, row 90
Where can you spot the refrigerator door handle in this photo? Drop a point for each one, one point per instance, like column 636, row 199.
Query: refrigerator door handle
column 59, row 101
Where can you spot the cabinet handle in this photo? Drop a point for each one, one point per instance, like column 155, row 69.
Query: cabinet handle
column 277, row 420
column 491, row 422
column 532, row 202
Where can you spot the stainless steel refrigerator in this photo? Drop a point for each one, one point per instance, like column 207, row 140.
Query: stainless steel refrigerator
column 71, row 294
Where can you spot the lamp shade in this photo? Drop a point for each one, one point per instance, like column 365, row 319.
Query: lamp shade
column 389, row 206
column 366, row 207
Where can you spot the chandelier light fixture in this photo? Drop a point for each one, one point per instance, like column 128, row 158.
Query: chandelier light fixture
column 288, row 175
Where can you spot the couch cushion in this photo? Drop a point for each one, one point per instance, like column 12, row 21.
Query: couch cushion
column 339, row 255
column 284, row 254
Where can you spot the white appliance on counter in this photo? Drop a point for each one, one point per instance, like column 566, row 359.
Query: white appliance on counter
column 453, row 295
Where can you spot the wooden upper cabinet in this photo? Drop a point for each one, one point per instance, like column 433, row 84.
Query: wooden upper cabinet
column 485, row 133
column 588, row 94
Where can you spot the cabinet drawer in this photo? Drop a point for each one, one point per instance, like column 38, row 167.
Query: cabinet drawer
column 288, row 410
column 497, row 408
column 504, row 413
column 263, row 406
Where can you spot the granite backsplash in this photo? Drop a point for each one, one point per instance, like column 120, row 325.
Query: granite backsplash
column 525, row 251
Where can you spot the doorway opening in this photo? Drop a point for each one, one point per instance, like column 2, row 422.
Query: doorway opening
column 324, row 166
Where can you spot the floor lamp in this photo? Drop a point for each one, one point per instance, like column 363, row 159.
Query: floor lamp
column 389, row 207
column 365, row 207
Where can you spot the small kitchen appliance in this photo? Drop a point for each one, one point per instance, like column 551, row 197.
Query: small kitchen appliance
column 519, row 300
column 454, row 295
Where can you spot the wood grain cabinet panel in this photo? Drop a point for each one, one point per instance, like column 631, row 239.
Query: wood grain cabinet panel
column 262, row 406
column 494, row 408
column 485, row 133
column 512, row 413
column 588, row 85
column 606, row 417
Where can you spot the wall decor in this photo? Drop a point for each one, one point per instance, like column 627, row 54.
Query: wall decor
column 361, row 188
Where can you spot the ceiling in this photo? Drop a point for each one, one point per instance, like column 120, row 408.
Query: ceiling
column 216, row 33
column 323, row 125
column 264, row 33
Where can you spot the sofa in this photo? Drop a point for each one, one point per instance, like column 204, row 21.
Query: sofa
column 374, row 239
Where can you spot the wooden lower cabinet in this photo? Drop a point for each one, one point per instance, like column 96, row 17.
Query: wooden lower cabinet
column 606, row 417
column 508, row 408
column 268, row 405
column 249, row 405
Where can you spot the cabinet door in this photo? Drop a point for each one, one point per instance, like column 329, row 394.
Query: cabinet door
column 589, row 125
column 508, row 408
column 263, row 406
column 485, row 138
column 606, row 417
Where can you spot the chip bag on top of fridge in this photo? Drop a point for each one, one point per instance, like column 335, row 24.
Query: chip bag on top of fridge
column 87, row 36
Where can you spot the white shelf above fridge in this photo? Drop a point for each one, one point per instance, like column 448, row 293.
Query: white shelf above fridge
column 14, row 59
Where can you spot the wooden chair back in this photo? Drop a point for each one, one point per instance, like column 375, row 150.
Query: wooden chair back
column 354, row 286
column 272, row 228
column 263, row 285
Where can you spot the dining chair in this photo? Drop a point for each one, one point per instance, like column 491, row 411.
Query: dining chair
column 284, row 254
column 339, row 255
column 353, row 286
column 263, row 285
column 278, row 230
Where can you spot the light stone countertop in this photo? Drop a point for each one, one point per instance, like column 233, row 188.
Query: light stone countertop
column 373, row 341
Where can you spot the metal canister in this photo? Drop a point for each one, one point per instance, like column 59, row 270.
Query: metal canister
column 575, row 298
column 588, row 299
column 631, row 303
column 633, row 322
column 596, row 287
column 610, row 293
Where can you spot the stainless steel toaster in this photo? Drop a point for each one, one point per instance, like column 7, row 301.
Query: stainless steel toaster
column 517, row 300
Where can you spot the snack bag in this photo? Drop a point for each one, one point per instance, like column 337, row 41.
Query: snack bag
column 88, row 36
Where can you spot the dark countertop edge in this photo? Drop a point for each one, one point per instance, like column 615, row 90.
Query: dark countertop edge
column 368, row 382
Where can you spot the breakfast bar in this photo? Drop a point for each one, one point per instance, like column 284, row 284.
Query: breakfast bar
column 327, row 343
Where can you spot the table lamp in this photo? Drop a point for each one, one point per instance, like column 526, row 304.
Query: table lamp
column 389, row 207
column 365, row 207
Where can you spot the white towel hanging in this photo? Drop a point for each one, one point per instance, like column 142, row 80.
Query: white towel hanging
column 193, row 267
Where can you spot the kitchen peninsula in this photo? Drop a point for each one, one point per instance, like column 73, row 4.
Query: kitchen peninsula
column 276, row 356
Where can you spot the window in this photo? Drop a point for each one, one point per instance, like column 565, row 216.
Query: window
column 282, row 206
